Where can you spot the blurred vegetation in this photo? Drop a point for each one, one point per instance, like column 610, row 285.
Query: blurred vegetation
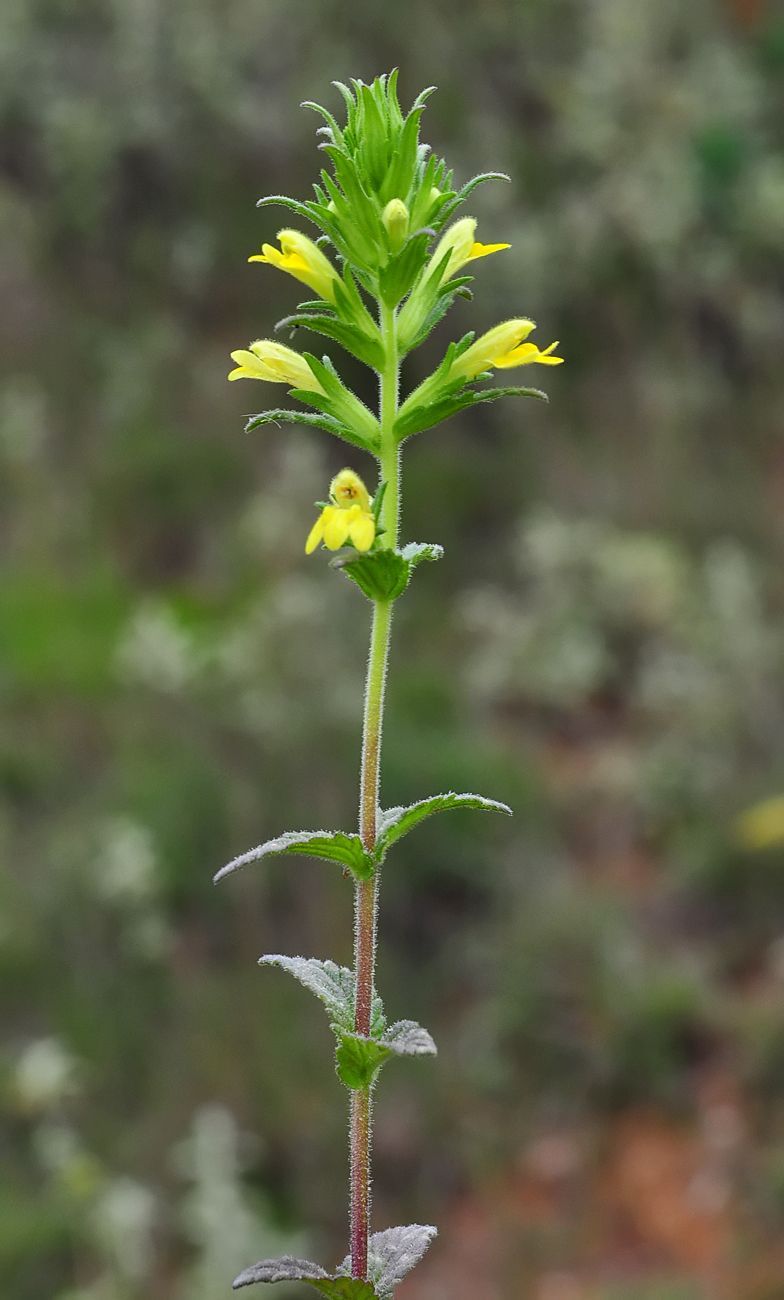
column 602, row 647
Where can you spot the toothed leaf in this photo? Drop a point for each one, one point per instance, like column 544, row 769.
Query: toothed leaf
column 334, row 985
column 385, row 574
column 287, row 1269
column 324, row 421
column 395, row 822
column 359, row 1060
column 407, row 1038
column 392, row 1254
column 334, row 846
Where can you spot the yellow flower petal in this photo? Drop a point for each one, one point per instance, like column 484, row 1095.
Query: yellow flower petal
column 275, row 363
column 362, row 530
column 300, row 257
column 482, row 250
column 527, row 353
column 497, row 342
column 336, row 527
column 315, row 535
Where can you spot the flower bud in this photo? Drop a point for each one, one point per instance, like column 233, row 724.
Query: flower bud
column 395, row 219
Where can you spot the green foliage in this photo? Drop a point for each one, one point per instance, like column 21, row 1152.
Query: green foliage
column 359, row 1059
column 384, row 574
column 395, row 822
column 334, row 985
column 334, row 846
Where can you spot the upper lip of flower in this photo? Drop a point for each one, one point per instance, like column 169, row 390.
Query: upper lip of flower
column 276, row 363
column 459, row 238
column 302, row 259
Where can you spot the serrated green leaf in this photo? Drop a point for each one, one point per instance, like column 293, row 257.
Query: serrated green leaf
column 340, row 402
column 407, row 1038
column 392, row 1254
column 334, row 985
column 418, row 417
column 346, row 1288
column 381, row 575
column 333, row 846
column 396, row 822
column 324, row 421
column 351, row 337
column 492, row 394
column 359, row 1060
column 385, row 574
column 337, row 1286
column 415, row 552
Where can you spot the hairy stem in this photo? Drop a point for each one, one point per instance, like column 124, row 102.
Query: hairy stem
column 366, row 890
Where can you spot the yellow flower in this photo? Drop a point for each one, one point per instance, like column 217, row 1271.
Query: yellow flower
column 302, row 259
column 349, row 519
column 503, row 347
column 762, row 825
column 275, row 363
column 460, row 239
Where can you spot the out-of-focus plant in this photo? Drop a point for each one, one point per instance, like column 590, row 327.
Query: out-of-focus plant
column 379, row 212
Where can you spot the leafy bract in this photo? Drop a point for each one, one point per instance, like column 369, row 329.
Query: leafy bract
column 337, row 1286
column 385, row 574
column 350, row 336
column 335, row 985
column 359, row 1059
column 418, row 416
column 396, row 822
column 325, row 421
column 392, row 1254
column 334, row 846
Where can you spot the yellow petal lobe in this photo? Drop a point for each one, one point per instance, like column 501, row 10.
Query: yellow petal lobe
column 316, row 533
column 362, row 530
column 482, row 250
column 336, row 527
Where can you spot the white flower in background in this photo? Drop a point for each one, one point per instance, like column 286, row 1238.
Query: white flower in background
column 217, row 1217
column 156, row 651
column 126, row 862
column 45, row 1074
column 124, row 1219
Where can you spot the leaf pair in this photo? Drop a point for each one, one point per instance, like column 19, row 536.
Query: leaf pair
column 391, row 1255
column 347, row 847
column 358, row 1058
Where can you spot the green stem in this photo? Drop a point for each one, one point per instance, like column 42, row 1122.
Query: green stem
column 366, row 890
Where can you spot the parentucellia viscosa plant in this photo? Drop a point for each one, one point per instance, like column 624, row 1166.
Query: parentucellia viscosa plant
column 379, row 214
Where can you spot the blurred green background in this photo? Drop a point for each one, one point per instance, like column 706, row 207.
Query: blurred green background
column 602, row 647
